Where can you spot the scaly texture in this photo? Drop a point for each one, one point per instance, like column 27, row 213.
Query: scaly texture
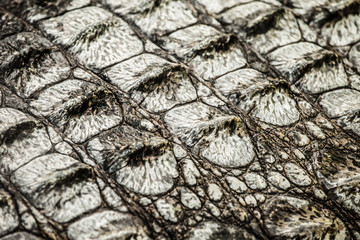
column 176, row 119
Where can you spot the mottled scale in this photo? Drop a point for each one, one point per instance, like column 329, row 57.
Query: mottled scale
column 289, row 217
column 30, row 62
column 155, row 83
column 142, row 162
column 219, row 138
column 95, row 41
column 339, row 174
column 343, row 105
column 21, row 236
column 60, row 186
column 264, row 25
column 253, row 93
column 10, row 24
column 338, row 22
column 8, row 214
column 34, row 11
column 210, row 230
column 219, row 5
column 169, row 209
column 108, row 224
column 19, row 131
column 186, row 41
column 159, row 17
column 220, row 56
column 79, row 108
column 314, row 69
column 354, row 56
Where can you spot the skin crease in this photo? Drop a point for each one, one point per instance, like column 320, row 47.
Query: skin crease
column 174, row 119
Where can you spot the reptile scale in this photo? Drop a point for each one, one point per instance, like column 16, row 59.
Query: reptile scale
column 179, row 119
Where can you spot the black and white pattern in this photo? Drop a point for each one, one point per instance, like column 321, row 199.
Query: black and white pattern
column 177, row 119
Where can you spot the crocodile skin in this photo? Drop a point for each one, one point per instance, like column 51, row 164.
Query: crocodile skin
column 175, row 119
